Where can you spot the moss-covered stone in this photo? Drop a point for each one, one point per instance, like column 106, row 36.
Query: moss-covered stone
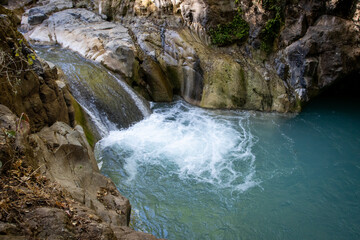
column 81, row 119
column 232, row 81
column 224, row 85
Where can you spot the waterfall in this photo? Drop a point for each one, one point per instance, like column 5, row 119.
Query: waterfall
column 105, row 97
column 100, row 7
column 140, row 103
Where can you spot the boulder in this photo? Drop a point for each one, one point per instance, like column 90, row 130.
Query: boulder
column 328, row 52
column 70, row 162
column 103, row 42
column 36, row 16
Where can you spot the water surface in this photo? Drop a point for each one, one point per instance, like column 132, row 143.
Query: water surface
column 192, row 173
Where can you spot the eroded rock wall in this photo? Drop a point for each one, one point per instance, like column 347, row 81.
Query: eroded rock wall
column 293, row 52
column 30, row 85
column 326, row 54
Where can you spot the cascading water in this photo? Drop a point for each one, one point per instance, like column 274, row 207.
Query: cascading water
column 105, row 97
column 192, row 173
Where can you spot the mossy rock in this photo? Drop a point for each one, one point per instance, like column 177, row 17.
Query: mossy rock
column 81, row 118
column 225, row 85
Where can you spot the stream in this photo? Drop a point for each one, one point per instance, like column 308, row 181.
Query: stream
column 192, row 173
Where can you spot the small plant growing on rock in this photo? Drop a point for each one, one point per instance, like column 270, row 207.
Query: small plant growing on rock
column 9, row 147
column 271, row 31
column 236, row 31
column 15, row 63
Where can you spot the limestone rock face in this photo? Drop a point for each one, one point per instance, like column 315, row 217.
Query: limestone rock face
column 104, row 42
column 160, row 58
column 163, row 48
column 169, row 62
column 211, row 77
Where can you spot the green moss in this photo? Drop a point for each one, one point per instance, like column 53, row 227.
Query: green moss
column 80, row 119
column 270, row 33
column 236, row 31
column 272, row 5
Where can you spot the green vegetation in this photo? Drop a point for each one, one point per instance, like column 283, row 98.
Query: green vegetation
column 271, row 31
column 80, row 119
column 236, row 31
column 272, row 5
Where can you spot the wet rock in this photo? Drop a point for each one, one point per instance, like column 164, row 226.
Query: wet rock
column 160, row 88
column 103, row 42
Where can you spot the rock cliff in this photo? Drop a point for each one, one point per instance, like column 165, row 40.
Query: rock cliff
column 28, row 84
column 265, row 55
column 50, row 187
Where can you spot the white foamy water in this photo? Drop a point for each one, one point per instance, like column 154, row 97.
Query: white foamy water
column 101, row 122
column 190, row 142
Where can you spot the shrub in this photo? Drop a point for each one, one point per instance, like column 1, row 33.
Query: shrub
column 236, row 31
column 271, row 31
